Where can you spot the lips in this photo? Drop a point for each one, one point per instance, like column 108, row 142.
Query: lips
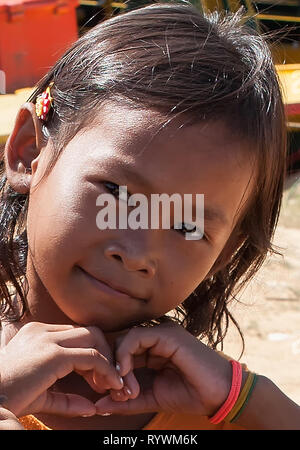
column 113, row 287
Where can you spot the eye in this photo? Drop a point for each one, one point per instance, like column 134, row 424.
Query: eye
column 113, row 188
column 187, row 228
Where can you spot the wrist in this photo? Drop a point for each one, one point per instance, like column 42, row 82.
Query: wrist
column 222, row 386
column 235, row 388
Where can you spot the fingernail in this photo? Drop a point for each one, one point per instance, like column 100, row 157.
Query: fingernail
column 105, row 414
column 121, row 381
column 127, row 390
column 118, row 368
column 87, row 415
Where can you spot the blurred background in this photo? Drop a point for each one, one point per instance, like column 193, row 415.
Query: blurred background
column 35, row 33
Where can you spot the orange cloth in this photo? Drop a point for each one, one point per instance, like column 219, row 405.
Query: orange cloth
column 161, row 421
column 32, row 423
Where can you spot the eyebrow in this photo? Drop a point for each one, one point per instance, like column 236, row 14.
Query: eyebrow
column 211, row 213
column 130, row 175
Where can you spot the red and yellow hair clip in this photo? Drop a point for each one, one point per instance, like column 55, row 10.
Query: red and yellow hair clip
column 43, row 103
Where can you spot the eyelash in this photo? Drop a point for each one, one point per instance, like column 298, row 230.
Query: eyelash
column 111, row 187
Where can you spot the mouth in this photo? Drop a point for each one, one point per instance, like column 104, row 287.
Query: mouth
column 112, row 290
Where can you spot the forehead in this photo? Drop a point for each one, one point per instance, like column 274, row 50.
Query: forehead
column 174, row 157
column 140, row 135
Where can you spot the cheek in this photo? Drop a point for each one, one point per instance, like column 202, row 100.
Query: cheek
column 183, row 273
column 60, row 223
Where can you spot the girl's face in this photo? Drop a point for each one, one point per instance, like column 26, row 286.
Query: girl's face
column 158, row 267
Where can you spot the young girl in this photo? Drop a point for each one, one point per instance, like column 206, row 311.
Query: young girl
column 101, row 329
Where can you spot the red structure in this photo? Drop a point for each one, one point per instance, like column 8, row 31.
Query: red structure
column 33, row 35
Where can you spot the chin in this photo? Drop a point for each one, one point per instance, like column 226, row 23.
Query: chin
column 108, row 325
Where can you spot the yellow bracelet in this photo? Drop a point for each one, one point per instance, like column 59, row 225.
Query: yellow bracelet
column 241, row 398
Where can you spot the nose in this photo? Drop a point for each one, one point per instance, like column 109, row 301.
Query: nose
column 133, row 260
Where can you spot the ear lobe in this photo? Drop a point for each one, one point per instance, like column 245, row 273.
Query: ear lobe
column 23, row 147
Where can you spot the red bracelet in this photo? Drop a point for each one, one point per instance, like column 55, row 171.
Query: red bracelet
column 236, row 384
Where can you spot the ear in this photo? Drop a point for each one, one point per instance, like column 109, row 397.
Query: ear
column 23, row 148
column 233, row 243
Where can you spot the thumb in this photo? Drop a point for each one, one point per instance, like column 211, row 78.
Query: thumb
column 144, row 403
column 68, row 405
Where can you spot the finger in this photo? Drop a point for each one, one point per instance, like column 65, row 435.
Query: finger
column 100, row 385
column 54, row 327
column 69, row 405
column 132, row 385
column 120, row 395
column 148, row 360
column 144, row 403
column 85, row 337
column 90, row 359
column 131, row 388
column 130, row 382
column 145, row 343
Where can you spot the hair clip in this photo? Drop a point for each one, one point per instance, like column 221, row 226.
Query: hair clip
column 43, row 103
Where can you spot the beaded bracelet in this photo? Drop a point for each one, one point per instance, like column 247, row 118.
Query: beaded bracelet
column 233, row 394
column 241, row 399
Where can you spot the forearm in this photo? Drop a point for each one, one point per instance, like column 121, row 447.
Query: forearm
column 269, row 409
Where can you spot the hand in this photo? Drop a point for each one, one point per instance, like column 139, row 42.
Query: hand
column 40, row 354
column 190, row 377
column 8, row 421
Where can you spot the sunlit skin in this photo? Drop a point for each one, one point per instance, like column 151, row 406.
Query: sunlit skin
column 159, row 266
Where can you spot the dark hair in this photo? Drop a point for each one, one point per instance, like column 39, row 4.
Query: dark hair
column 173, row 58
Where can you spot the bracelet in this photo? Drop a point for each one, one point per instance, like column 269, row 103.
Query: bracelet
column 246, row 401
column 241, row 399
column 233, row 394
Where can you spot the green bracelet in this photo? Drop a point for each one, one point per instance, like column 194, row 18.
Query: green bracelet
column 246, row 401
